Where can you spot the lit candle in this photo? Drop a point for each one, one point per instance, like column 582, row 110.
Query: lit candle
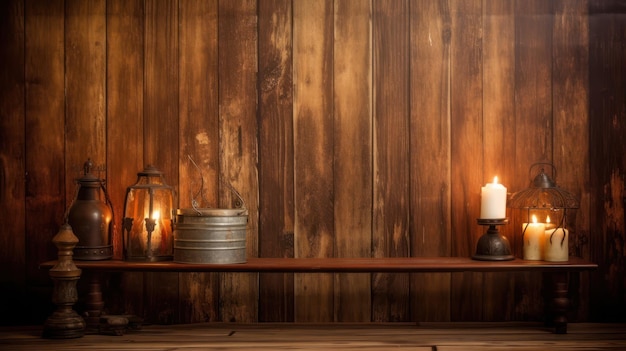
column 534, row 235
column 556, row 242
column 155, row 240
column 549, row 224
column 493, row 201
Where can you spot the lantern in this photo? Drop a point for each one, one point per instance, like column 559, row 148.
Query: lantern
column 546, row 204
column 148, row 218
column 91, row 218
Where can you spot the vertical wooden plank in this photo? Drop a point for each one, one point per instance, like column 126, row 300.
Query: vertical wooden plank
column 85, row 119
column 276, row 171
column 498, row 125
column 124, row 108
column 390, row 292
column 85, row 95
column 607, row 87
column 12, row 166
column 353, row 175
column 313, row 150
column 199, row 138
column 161, row 133
column 570, row 96
column 466, row 175
column 44, row 132
column 533, row 124
column 238, row 144
column 430, row 154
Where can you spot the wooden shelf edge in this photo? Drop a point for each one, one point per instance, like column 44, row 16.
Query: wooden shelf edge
column 339, row 265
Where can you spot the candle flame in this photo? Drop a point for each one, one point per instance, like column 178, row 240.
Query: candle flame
column 534, row 219
column 495, row 180
column 547, row 219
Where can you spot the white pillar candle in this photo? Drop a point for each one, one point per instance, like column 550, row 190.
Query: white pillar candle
column 534, row 236
column 556, row 245
column 493, row 200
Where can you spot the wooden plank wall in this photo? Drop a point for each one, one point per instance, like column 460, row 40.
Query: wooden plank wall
column 350, row 127
column 607, row 113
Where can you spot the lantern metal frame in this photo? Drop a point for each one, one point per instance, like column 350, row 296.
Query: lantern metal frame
column 138, row 240
column 543, row 194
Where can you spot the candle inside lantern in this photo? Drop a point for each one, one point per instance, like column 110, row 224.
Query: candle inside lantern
column 155, row 234
column 493, row 201
column 549, row 224
column 534, row 235
column 556, row 245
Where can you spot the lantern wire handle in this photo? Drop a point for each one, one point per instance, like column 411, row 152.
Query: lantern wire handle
column 66, row 215
column 108, row 200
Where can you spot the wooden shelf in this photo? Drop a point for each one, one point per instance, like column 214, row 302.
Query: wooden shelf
column 556, row 272
column 340, row 265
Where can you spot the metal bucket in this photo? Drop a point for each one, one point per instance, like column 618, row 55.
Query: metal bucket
column 208, row 235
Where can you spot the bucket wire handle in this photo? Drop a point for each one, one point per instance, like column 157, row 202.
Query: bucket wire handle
column 239, row 203
column 194, row 202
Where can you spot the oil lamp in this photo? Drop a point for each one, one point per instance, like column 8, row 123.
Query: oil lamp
column 91, row 218
column 548, row 203
column 148, row 218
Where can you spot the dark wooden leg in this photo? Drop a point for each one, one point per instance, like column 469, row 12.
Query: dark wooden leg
column 94, row 302
column 558, row 299
column 97, row 321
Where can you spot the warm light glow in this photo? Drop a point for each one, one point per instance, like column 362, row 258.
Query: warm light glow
column 534, row 219
column 495, row 180
column 548, row 219
column 156, row 215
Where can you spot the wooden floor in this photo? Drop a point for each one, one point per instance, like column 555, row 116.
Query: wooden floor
column 367, row 337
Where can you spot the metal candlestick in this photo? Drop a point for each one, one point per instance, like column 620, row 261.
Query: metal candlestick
column 493, row 246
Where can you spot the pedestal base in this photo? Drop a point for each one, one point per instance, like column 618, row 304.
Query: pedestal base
column 64, row 324
column 492, row 246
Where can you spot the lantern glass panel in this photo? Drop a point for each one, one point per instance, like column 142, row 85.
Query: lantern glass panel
column 148, row 219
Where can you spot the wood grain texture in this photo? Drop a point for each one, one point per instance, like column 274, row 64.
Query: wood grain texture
column 353, row 174
column 607, row 54
column 161, row 135
column 85, row 94
column 44, row 131
column 238, row 145
column 343, row 336
column 390, row 42
column 498, row 124
column 430, row 154
column 348, row 265
column 12, row 137
column 313, row 150
column 533, row 122
column 459, row 91
column 124, row 109
column 466, row 173
column 276, row 151
column 199, row 139
column 570, row 91
column 12, row 156
column 124, row 123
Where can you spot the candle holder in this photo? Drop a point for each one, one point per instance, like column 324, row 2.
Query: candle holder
column 493, row 246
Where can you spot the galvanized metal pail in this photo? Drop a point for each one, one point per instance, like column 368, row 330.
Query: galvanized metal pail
column 207, row 235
